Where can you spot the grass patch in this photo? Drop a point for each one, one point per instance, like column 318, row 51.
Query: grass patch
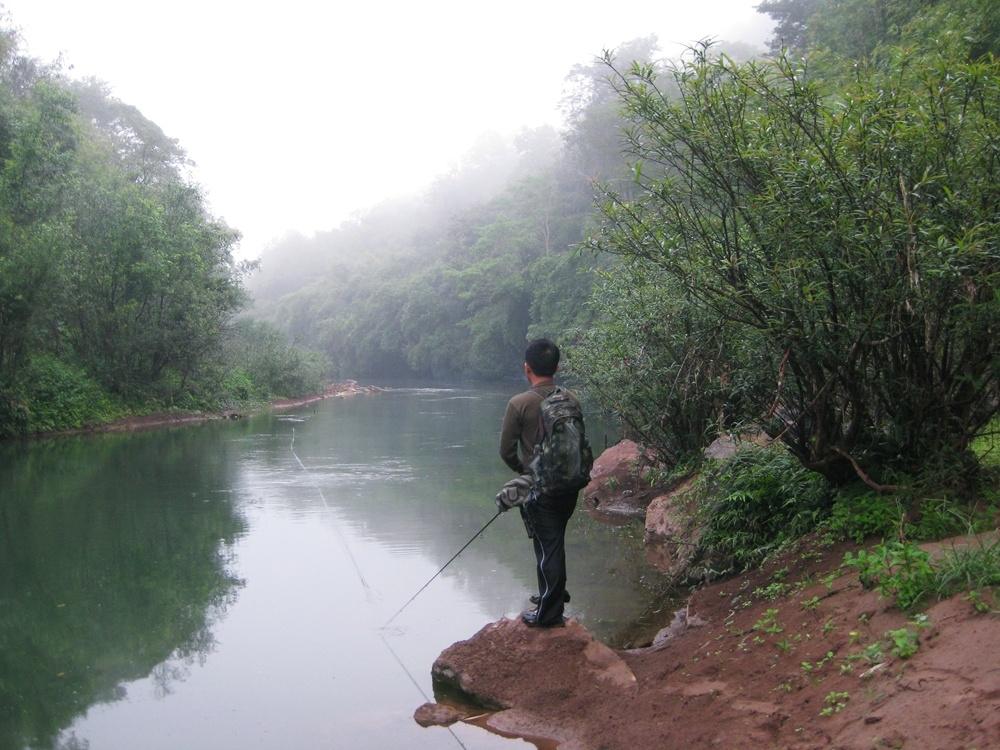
column 904, row 572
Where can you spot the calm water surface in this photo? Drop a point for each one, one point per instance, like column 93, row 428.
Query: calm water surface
column 197, row 588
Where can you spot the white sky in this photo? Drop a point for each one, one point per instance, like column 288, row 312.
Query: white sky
column 299, row 114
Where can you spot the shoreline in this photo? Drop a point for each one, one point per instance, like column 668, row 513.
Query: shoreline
column 138, row 423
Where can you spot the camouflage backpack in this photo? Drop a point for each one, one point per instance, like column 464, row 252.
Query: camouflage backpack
column 563, row 458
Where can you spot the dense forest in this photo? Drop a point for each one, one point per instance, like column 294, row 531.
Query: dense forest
column 449, row 283
column 802, row 240
column 117, row 289
column 805, row 241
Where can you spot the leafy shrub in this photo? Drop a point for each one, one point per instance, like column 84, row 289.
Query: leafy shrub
column 937, row 518
column 850, row 238
column 57, row 395
column 263, row 364
column 239, row 386
column 900, row 570
column 986, row 446
column 859, row 513
column 756, row 502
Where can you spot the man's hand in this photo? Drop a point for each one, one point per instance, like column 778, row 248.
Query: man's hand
column 515, row 492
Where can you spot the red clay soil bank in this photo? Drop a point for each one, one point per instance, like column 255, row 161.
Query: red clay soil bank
column 742, row 671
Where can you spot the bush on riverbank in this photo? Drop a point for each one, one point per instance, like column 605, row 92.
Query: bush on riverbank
column 760, row 501
column 261, row 364
column 755, row 503
column 55, row 395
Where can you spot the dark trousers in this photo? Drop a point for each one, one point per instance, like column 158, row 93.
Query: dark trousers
column 548, row 516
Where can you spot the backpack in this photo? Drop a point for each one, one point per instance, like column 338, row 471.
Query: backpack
column 563, row 458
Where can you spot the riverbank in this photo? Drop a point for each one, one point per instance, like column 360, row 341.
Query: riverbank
column 828, row 663
column 798, row 652
column 138, row 423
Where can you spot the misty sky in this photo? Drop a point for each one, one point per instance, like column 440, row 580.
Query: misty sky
column 299, row 114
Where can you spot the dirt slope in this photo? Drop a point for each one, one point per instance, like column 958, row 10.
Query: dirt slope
column 810, row 668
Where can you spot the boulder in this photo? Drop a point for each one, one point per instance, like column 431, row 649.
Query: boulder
column 618, row 486
column 673, row 530
column 522, row 673
column 438, row 715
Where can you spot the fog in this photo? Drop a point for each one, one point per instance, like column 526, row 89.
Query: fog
column 298, row 117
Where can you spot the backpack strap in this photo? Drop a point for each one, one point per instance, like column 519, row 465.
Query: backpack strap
column 541, row 418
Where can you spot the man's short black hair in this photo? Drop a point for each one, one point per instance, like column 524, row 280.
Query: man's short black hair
column 542, row 357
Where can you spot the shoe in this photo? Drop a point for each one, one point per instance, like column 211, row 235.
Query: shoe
column 535, row 598
column 529, row 619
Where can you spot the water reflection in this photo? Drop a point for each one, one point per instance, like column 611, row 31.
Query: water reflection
column 115, row 558
column 217, row 594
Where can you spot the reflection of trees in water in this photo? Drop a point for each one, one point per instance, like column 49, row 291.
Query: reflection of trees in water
column 451, row 496
column 116, row 558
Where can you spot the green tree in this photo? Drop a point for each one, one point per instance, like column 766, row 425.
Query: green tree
column 852, row 238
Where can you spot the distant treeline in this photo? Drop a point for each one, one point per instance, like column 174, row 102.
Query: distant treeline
column 452, row 282
column 805, row 243
column 117, row 289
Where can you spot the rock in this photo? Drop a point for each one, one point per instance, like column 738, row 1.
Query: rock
column 726, row 445
column 722, row 447
column 507, row 664
column 618, row 487
column 437, row 715
column 626, row 452
column 670, row 516
column 673, row 530
column 683, row 621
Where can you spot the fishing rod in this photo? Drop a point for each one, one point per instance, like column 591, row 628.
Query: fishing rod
column 410, row 600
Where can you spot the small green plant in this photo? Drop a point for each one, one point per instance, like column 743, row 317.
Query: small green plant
column 784, row 645
column 904, row 642
column 810, row 603
column 898, row 569
column 873, row 653
column 975, row 598
column 807, row 667
column 828, row 580
column 772, row 591
column 768, row 623
column 828, row 626
column 834, row 703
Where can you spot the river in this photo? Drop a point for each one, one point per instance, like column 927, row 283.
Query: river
column 224, row 585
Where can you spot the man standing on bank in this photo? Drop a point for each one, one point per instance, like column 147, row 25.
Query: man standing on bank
column 547, row 511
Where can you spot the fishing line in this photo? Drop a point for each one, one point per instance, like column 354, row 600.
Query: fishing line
column 368, row 588
column 408, row 601
column 343, row 541
column 416, row 684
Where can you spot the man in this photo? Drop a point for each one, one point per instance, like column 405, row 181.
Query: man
column 545, row 516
